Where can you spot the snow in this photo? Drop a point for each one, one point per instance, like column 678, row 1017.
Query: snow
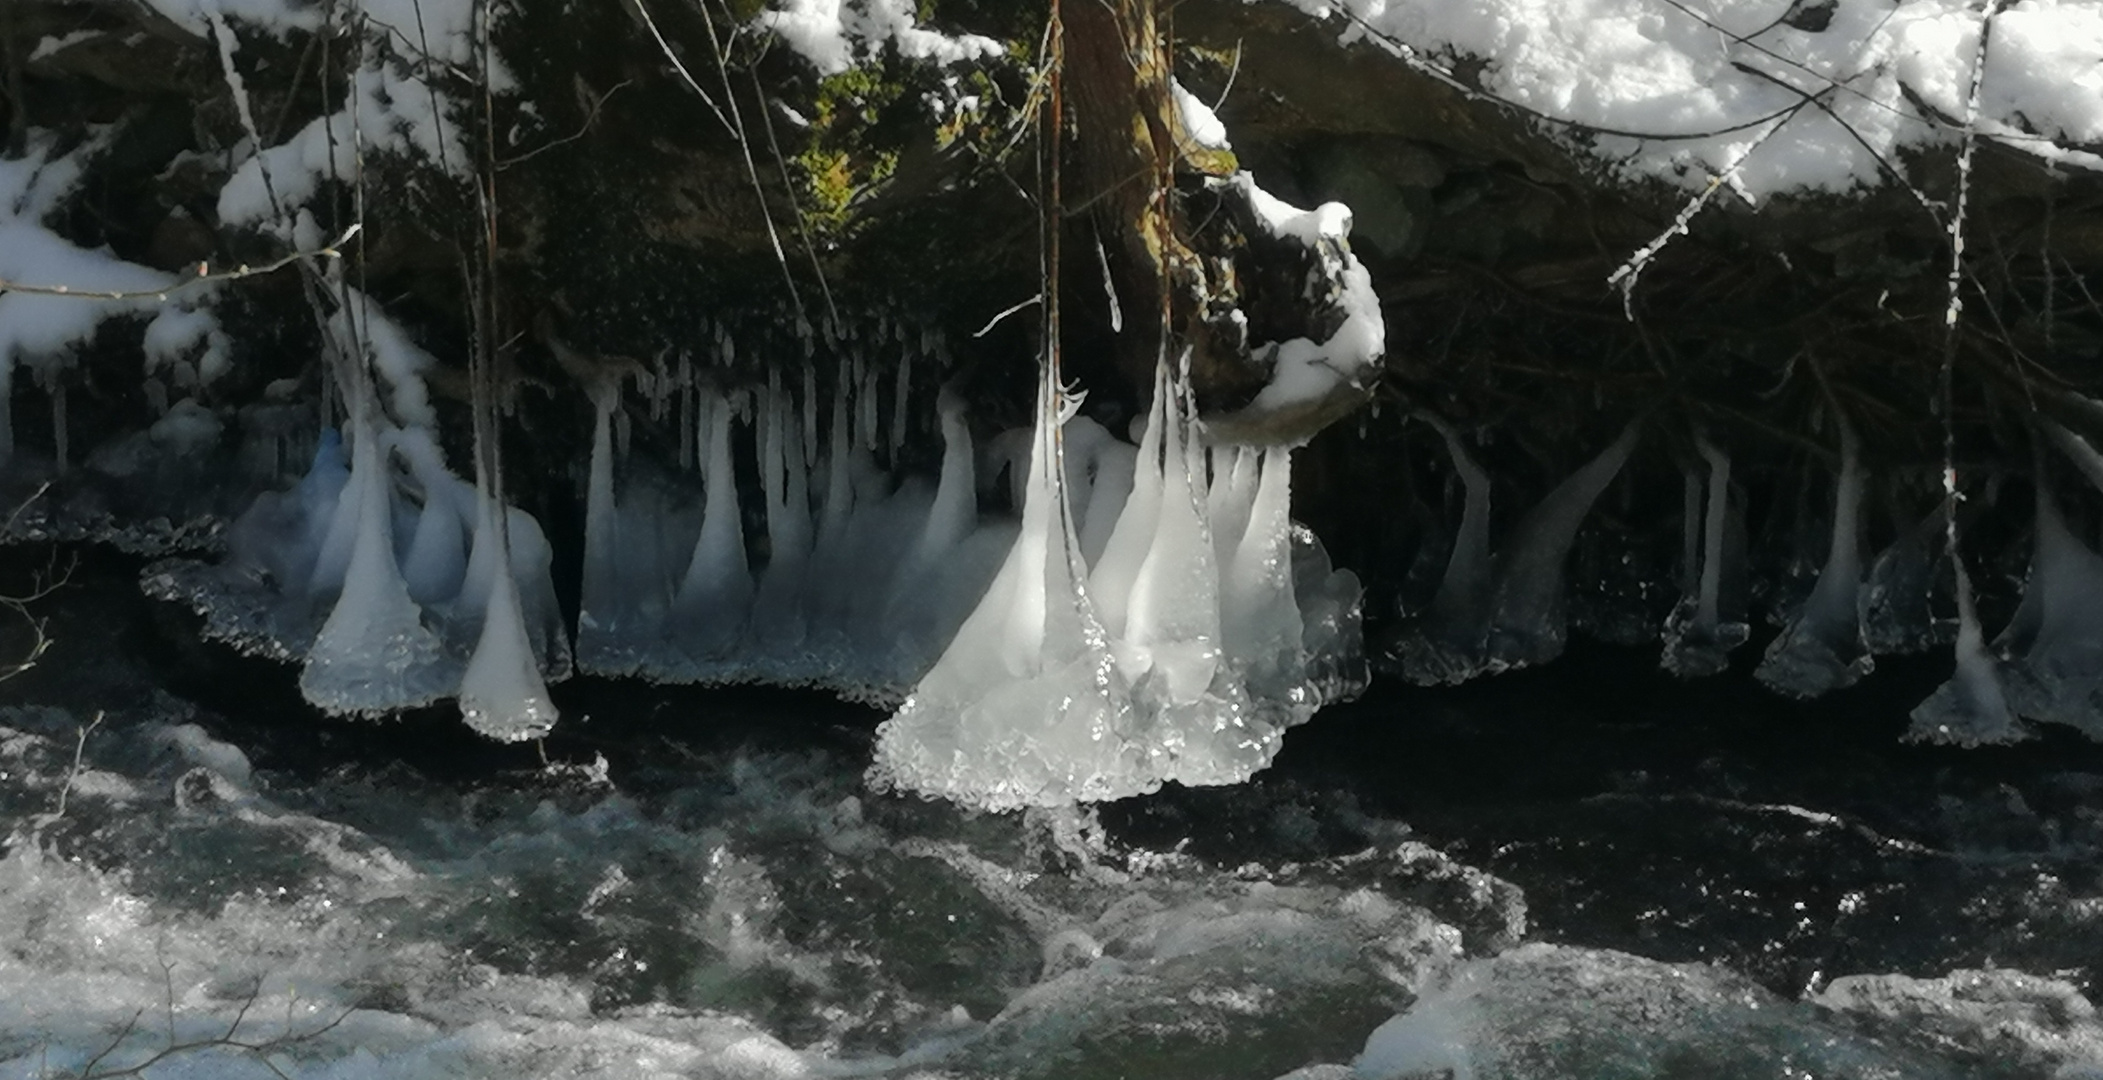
column 835, row 35
column 1306, row 371
column 38, row 329
column 1199, row 121
column 390, row 111
column 1682, row 92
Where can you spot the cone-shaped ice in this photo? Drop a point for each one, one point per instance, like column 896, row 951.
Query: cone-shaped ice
column 1527, row 624
column 1821, row 648
column 1972, row 708
column 1025, row 706
column 1260, row 624
column 2052, row 651
column 374, row 654
column 1132, row 537
column 716, row 597
column 1172, row 617
column 502, row 694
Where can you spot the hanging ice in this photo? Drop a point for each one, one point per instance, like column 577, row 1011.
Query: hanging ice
column 1495, row 613
column 1025, row 706
column 374, row 654
column 1821, row 648
column 1699, row 635
column 1036, row 701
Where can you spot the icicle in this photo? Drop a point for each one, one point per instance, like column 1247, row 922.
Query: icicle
column 1897, row 616
column 1109, row 490
column 61, row 450
column 900, row 399
column 688, row 418
column 716, row 597
column 1698, row 641
column 1528, row 626
column 1024, row 707
column 502, row 693
column 1971, row 709
column 374, row 654
column 2053, row 648
column 1260, row 624
column 777, row 616
column 1822, row 647
column 1449, row 644
column 1227, row 503
column 436, row 560
column 1115, row 572
column 1172, row 621
column 603, row 624
column 810, row 413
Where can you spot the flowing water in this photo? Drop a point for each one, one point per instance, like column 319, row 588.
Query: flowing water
column 1581, row 872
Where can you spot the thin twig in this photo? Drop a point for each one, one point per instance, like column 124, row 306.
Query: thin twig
column 202, row 274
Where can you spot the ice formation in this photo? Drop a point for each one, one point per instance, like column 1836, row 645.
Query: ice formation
column 859, row 576
column 1490, row 613
column 2052, row 650
column 1198, row 655
column 1700, row 633
column 394, row 582
column 1822, row 646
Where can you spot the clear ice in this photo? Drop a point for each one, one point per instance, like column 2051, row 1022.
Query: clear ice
column 1180, row 657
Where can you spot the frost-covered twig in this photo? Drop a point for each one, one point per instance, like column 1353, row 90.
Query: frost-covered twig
column 201, row 275
column 1625, row 277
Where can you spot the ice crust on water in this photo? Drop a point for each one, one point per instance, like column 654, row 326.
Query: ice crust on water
column 1501, row 610
column 1191, row 669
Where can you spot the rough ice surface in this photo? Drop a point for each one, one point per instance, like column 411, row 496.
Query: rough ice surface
column 1190, row 671
column 1898, row 613
column 1700, row 633
column 1681, row 92
column 1493, row 613
column 373, row 654
column 1822, row 647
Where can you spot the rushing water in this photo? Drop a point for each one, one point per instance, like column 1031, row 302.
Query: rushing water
column 1519, row 880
